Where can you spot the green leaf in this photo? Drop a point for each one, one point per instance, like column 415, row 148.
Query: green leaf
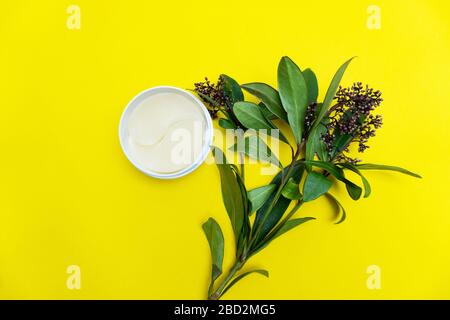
column 266, row 112
column 246, row 228
column 227, row 124
column 316, row 184
column 250, row 115
column 273, row 218
column 331, row 92
column 280, row 206
column 297, row 173
column 291, row 190
column 259, row 196
column 312, row 85
column 367, row 188
column 216, row 244
column 240, row 277
column 232, row 89
column 255, row 148
column 233, row 92
column 233, row 195
column 293, row 94
column 353, row 190
column 339, row 206
column 320, row 146
column 269, row 96
column 341, row 143
column 314, row 143
column 208, row 99
column 290, row 224
column 370, row 166
column 331, row 168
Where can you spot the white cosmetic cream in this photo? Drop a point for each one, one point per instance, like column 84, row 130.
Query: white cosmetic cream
column 166, row 132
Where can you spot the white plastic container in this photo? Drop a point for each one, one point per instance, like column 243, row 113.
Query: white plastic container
column 126, row 124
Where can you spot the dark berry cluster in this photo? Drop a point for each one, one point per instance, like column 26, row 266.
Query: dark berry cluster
column 358, row 98
column 367, row 130
column 212, row 94
column 351, row 120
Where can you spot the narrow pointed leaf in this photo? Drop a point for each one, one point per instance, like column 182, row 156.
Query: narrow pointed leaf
column 241, row 276
column 272, row 219
column 266, row 113
column 244, row 234
column 312, row 144
column 312, row 85
column 259, row 196
column 232, row 194
column 367, row 188
column 340, row 144
column 290, row 224
column 331, row 92
column 269, row 96
column 208, row 99
column 316, row 184
column 255, row 148
column 314, row 141
column 291, row 190
column 339, row 206
column 250, row 115
column 320, row 147
column 370, row 166
column 293, row 94
column 281, row 205
column 299, row 168
column 216, row 244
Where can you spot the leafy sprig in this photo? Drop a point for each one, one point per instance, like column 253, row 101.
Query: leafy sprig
column 323, row 132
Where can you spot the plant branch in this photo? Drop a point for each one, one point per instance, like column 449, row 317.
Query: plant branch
column 333, row 108
column 241, row 160
column 277, row 195
column 268, row 238
column 286, row 219
column 236, row 267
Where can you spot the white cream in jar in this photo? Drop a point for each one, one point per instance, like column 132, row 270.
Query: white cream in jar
column 166, row 132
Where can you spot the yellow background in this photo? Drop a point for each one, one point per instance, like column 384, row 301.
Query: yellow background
column 70, row 197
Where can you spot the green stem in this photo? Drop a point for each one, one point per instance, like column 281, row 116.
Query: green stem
column 276, row 229
column 241, row 160
column 236, row 267
column 286, row 219
column 217, row 294
column 277, row 195
column 332, row 109
column 210, row 288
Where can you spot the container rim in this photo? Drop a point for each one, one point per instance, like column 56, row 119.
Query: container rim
column 123, row 135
